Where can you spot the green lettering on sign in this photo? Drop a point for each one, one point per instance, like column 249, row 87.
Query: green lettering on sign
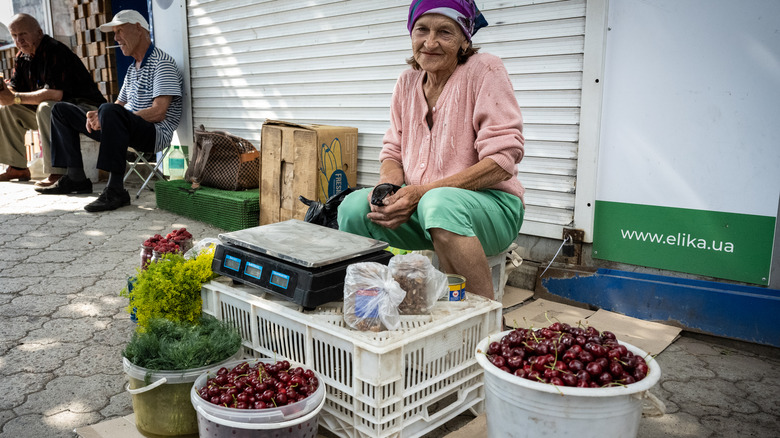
column 731, row 246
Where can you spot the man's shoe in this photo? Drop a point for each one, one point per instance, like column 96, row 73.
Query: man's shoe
column 66, row 186
column 53, row 178
column 11, row 173
column 110, row 199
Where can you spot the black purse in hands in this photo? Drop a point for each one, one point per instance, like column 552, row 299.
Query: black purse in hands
column 327, row 214
column 381, row 192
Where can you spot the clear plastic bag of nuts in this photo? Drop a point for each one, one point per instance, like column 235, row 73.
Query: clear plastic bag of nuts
column 423, row 283
column 371, row 298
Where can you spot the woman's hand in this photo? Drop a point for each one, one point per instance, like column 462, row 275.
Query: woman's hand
column 398, row 207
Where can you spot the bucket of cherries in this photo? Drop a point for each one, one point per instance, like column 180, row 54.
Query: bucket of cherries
column 575, row 381
column 562, row 355
column 258, row 398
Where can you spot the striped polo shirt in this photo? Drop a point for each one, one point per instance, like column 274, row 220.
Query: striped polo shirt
column 157, row 76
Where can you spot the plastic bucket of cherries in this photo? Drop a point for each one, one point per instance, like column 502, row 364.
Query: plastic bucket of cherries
column 258, row 398
column 565, row 381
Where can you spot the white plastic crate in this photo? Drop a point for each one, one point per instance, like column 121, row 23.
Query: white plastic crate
column 395, row 383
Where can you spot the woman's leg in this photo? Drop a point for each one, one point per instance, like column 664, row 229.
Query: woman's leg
column 466, row 226
column 464, row 256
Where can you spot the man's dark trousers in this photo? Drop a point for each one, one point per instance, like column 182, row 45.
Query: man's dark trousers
column 120, row 128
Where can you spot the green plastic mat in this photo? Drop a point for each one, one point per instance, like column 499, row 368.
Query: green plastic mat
column 225, row 209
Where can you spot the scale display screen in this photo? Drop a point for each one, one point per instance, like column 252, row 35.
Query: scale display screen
column 253, row 270
column 232, row 263
column 258, row 270
column 279, row 279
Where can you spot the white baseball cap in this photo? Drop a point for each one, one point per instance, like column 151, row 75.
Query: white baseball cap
column 128, row 16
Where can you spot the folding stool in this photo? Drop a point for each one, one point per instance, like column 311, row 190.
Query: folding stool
column 154, row 170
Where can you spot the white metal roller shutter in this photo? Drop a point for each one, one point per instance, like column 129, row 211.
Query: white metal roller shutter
column 336, row 62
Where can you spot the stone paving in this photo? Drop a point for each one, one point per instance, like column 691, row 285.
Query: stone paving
column 63, row 326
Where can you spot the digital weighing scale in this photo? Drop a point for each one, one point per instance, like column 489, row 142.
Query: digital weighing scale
column 299, row 261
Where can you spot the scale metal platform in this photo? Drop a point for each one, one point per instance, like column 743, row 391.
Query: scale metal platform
column 299, row 261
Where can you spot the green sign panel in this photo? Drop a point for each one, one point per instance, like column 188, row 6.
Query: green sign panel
column 722, row 245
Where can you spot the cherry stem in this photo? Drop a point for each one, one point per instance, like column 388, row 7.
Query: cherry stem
column 554, row 385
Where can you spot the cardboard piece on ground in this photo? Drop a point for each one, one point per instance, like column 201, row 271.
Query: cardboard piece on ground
column 514, row 296
column 652, row 337
column 532, row 314
column 123, row 427
column 476, row 428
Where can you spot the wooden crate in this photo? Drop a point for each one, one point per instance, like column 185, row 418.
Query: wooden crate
column 92, row 44
column 8, row 60
column 313, row 161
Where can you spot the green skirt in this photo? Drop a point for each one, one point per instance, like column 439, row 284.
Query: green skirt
column 493, row 216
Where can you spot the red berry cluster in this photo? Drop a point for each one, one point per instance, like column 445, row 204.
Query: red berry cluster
column 567, row 356
column 172, row 242
column 179, row 235
column 153, row 241
column 165, row 246
column 260, row 386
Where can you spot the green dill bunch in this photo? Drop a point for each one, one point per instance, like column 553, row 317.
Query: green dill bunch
column 172, row 345
column 170, row 288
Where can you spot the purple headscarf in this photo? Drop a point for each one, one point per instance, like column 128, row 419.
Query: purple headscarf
column 464, row 12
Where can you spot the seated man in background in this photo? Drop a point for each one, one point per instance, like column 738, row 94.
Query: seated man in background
column 145, row 115
column 46, row 71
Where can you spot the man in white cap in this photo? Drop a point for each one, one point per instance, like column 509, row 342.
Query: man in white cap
column 145, row 115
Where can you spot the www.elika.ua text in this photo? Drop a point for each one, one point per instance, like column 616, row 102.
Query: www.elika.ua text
column 680, row 239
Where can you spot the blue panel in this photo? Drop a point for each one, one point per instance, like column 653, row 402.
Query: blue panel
column 123, row 62
column 741, row 312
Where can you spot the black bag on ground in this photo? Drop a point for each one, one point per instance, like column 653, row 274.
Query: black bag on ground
column 325, row 214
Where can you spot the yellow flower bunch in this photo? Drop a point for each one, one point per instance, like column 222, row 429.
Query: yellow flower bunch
column 170, row 288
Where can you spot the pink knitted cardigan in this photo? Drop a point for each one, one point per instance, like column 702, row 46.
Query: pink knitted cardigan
column 476, row 117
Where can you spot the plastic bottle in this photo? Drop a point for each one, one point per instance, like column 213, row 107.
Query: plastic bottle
column 177, row 163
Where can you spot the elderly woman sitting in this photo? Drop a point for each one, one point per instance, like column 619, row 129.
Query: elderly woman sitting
column 454, row 142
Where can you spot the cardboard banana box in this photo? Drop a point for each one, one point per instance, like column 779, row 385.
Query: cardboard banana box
column 309, row 160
